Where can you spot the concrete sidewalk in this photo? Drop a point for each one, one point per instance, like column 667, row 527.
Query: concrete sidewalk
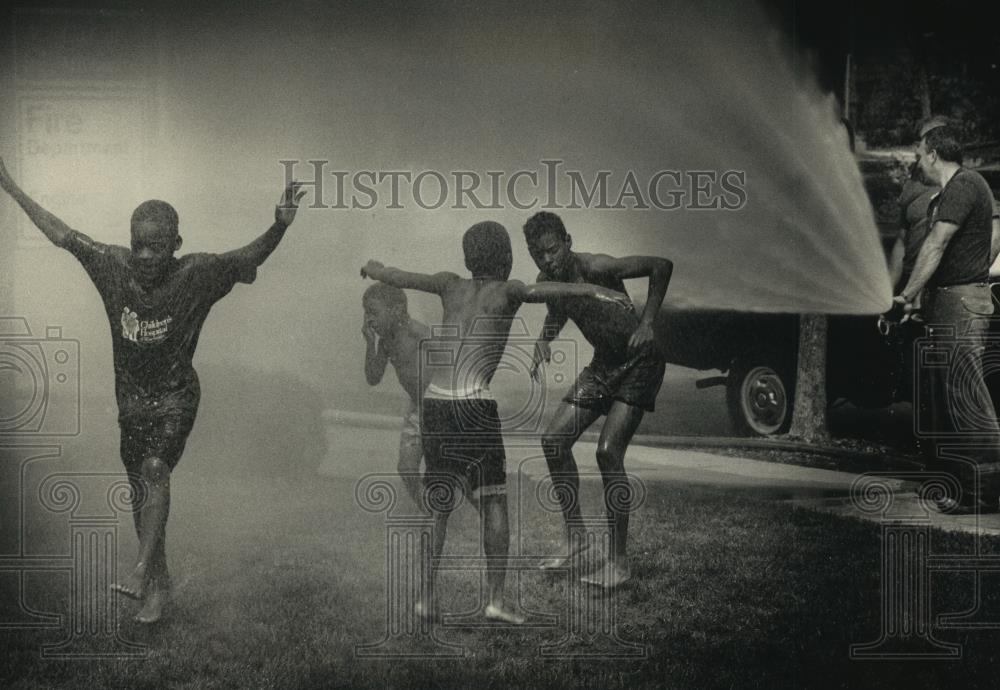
column 358, row 445
column 906, row 508
column 878, row 498
column 894, row 501
column 706, row 467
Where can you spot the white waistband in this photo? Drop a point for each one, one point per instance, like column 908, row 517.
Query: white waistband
column 439, row 393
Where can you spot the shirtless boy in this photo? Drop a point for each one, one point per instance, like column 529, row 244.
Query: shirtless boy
column 621, row 382
column 460, row 425
column 156, row 304
column 391, row 336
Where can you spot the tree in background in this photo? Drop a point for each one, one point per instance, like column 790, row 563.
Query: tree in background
column 897, row 89
column 809, row 407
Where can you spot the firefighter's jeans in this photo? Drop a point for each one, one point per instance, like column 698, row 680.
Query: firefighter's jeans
column 955, row 415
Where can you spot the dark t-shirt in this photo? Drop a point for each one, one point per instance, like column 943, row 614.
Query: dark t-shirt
column 967, row 202
column 914, row 201
column 154, row 331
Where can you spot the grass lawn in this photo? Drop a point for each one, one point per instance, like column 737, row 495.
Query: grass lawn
column 277, row 583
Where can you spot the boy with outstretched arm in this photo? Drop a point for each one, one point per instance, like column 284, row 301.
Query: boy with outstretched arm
column 392, row 336
column 620, row 383
column 156, row 304
column 461, row 429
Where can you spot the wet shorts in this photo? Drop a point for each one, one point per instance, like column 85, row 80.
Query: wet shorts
column 160, row 436
column 635, row 381
column 463, row 442
column 155, row 423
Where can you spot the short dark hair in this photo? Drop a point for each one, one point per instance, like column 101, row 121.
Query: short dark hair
column 930, row 123
column 487, row 250
column 390, row 295
column 946, row 142
column 544, row 222
column 159, row 212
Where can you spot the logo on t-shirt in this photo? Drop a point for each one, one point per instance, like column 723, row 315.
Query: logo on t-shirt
column 143, row 331
column 130, row 325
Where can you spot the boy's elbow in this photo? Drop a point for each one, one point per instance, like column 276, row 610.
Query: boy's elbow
column 59, row 237
column 521, row 293
column 662, row 270
column 389, row 276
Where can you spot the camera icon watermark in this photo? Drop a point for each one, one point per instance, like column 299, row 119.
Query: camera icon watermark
column 39, row 381
column 469, row 361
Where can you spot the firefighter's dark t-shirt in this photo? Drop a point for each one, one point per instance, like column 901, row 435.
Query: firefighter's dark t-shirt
column 154, row 331
column 967, row 202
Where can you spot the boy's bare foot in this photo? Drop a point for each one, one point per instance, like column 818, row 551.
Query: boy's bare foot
column 426, row 612
column 502, row 615
column 611, row 575
column 134, row 586
column 152, row 610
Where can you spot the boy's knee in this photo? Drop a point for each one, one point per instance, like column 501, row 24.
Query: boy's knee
column 555, row 444
column 155, row 470
column 135, row 478
column 139, row 488
column 609, row 458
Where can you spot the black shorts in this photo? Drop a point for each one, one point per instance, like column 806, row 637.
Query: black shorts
column 463, row 444
column 635, row 381
column 161, row 435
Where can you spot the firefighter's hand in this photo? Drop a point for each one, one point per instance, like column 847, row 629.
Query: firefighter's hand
column 907, row 306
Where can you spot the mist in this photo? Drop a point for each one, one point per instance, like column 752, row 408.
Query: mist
column 198, row 105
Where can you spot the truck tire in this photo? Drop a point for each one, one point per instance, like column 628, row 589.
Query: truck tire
column 759, row 398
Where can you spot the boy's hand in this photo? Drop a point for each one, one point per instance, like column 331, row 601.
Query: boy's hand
column 371, row 267
column 284, row 212
column 543, row 353
column 641, row 338
column 368, row 332
column 6, row 181
column 614, row 297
